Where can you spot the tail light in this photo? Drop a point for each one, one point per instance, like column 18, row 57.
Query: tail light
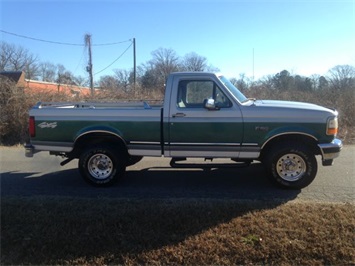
column 32, row 127
column 332, row 126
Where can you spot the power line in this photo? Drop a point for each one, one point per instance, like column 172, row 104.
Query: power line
column 77, row 44
column 114, row 60
column 112, row 43
column 60, row 43
column 81, row 59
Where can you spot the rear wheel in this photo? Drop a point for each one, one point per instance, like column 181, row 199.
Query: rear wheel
column 291, row 165
column 101, row 166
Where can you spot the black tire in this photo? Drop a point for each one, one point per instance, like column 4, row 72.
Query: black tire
column 101, row 166
column 291, row 165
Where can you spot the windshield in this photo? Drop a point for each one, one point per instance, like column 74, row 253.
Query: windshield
column 237, row 94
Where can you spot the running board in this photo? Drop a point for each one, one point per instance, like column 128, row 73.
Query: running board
column 174, row 164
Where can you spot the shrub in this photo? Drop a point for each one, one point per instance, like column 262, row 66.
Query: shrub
column 14, row 113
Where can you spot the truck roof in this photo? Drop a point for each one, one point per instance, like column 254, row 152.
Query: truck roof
column 191, row 73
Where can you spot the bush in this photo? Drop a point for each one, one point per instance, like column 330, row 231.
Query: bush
column 14, row 113
column 14, row 105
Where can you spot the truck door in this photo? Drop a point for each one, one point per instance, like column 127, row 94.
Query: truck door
column 195, row 131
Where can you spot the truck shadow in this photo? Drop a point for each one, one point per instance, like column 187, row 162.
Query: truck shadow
column 153, row 182
column 244, row 183
column 147, row 210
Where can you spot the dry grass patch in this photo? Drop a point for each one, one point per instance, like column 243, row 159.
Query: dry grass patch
column 116, row 231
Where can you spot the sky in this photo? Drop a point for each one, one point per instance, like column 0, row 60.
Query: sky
column 255, row 38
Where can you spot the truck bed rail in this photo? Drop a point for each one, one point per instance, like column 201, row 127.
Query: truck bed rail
column 94, row 105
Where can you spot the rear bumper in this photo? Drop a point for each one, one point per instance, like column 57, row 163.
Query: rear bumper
column 53, row 147
column 330, row 151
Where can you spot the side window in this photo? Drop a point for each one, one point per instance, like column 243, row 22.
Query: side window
column 192, row 94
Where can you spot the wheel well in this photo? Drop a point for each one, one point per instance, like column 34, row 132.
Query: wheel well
column 305, row 140
column 97, row 138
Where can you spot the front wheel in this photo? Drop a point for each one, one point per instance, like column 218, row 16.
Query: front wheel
column 101, row 166
column 291, row 165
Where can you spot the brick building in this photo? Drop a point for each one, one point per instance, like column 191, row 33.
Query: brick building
column 35, row 86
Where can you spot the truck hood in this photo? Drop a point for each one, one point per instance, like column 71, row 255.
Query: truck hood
column 291, row 105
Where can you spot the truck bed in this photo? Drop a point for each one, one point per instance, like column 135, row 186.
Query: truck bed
column 61, row 123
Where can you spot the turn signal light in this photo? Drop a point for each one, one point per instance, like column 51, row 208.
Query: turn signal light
column 332, row 126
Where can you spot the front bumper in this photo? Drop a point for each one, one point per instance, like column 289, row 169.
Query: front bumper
column 330, row 151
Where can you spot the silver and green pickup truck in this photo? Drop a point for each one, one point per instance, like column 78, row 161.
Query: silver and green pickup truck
column 203, row 116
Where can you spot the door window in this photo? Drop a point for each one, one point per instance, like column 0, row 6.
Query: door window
column 192, row 94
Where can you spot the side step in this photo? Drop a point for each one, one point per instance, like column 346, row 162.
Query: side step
column 174, row 164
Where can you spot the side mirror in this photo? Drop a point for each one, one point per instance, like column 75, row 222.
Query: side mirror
column 210, row 104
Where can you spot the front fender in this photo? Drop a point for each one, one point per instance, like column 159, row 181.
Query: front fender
column 287, row 130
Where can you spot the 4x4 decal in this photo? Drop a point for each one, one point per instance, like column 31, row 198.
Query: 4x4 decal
column 48, row 125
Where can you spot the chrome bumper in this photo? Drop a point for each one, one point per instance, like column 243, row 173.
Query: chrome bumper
column 330, row 151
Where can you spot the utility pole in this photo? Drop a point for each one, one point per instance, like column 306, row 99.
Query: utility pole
column 134, row 64
column 89, row 66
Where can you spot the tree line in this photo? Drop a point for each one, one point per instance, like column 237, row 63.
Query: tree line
column 338, row 77
column 153, row 73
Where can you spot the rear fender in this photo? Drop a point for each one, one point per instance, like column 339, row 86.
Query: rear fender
column 96, row 135
column 99, row 129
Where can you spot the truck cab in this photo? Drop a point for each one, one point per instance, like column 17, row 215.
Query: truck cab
column 203, row 119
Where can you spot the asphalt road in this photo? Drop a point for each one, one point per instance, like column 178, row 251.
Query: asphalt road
column 153, row 178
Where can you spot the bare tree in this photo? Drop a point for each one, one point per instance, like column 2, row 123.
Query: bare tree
column 17, row 58
column 32, row 71
column 266, row 82
column 342, row 77
column 6, row 52
column 242, row 83
column 81, row 81
column 153, row 74
column 165, row 61
column 47, row 71
column 14, row 112
column 194, row 62
column 108, row 83
column 123, row 77
column 149, row 77
column 64, row 76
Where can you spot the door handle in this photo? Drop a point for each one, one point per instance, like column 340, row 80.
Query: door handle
column 179, row 115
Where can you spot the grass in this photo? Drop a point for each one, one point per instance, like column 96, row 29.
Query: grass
column 72, row 231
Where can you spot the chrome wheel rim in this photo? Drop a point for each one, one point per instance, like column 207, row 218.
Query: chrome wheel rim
column 100, row 166
column 291, row 167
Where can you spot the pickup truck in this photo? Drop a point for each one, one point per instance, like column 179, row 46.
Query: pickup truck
column 203, row 115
